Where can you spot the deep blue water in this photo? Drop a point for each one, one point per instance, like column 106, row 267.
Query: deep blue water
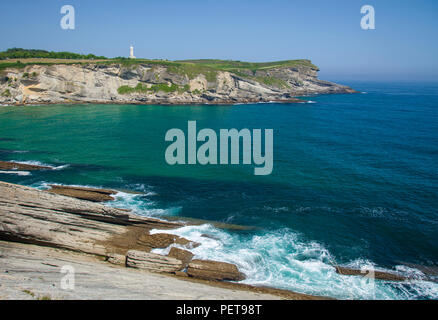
column 355, row 181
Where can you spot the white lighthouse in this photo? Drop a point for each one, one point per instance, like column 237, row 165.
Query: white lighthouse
column 131, row 52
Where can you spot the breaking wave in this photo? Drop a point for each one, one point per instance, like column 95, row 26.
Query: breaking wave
column 283, row 260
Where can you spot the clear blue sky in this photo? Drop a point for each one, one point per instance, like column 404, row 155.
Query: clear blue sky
column 404, row 45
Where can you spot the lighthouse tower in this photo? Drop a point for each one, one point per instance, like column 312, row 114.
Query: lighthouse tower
column 131, row 52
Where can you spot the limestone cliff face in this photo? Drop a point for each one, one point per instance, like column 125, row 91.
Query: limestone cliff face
column 157, row 84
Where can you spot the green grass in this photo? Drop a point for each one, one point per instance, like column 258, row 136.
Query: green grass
column 192, row 70
column 29, row 293
column 230, row 65
column 273, row 82
column 6, row 93
column 163, row 87
column 15, row 53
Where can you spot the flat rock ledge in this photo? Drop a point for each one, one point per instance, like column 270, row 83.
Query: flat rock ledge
column 9, row 165
column 163, row 240
column 152, row 262
column 214, row 270
column 82, row 193
column 386, row 276
column 48, row 224
column 32, row 216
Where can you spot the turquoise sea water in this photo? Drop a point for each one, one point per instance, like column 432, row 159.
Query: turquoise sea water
column 355, row 181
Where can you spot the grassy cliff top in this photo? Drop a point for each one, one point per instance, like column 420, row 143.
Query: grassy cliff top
column 230, row 65
column 19, row 58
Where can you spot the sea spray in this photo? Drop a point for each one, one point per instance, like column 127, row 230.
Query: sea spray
column 282, row 259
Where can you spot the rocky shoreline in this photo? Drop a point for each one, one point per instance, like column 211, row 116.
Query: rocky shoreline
column 42, row 219
column 63, row 219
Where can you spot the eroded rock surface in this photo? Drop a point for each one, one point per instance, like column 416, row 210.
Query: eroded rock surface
column 184, row 256
column 214, row 270
column 152, row 262
column 102, row 83
column 90, row 194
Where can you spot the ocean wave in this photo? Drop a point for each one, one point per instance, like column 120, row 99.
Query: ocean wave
column 141, row 204
column 282, row 259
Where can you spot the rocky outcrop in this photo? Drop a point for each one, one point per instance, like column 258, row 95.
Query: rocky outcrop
column 6, row 165
column 183, row 255
column 154, row 83
column 31, row 272
column 90, row 194
column 376, row 274
column 214, row 270
column 152, row 262
column 163, row 240
column 115, row 258
column 40, row 217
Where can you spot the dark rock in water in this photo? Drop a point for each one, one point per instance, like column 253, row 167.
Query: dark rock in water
column 82, row 193
column 377, row 274
column 152, row 262
column 204, row 235
column 180, row 254
column 214, row 270
column 6, row 165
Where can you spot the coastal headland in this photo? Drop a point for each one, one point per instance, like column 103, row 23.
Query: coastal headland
column 26, row 81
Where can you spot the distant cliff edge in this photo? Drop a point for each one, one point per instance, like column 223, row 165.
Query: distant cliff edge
column 139, row 81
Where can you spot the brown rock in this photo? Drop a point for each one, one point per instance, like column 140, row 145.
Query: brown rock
column 82, row 193
column 38, row 217
column 6, row 165
column 214, row 270
column 116, row 258
column 377, row 274
column 163, row 240
column 152, row 262
column 180, row 254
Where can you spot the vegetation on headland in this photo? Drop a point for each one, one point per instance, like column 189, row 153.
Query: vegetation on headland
column 6, row 93
column 19, row 53
column 239, row 66
column 189, row 67
column 163, row 87
column 257, row 71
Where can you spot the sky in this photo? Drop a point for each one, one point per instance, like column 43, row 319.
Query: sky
column 402, row 47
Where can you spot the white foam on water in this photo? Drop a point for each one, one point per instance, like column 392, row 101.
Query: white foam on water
column 281, row 259
column 38, row 163
column 18, row 173
column 141, row 205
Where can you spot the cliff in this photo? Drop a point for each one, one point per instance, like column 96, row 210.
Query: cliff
column 160, row 82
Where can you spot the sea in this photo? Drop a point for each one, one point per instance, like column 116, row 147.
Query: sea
column 354, row 182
